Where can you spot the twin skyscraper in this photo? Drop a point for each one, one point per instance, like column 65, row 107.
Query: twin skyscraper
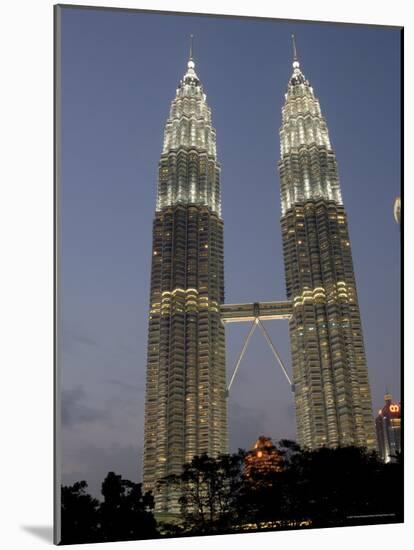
column 186, row 391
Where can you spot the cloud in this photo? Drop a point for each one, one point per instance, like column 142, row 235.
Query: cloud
column 72, row 338
column 92, row 463
column 125, row 385
column 74, row 410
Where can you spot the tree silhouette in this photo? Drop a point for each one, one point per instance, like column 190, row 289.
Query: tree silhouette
column 126, row 513
column 79, row 515
column 209, row 493
column 321, row 488
column 334, row 485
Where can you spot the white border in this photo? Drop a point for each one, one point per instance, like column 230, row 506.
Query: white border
column 26, row 266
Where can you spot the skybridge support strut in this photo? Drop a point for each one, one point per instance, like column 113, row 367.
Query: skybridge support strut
column 246, row 342
column 255, row 323
column 275, row 353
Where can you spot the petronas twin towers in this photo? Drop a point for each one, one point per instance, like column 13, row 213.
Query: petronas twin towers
column 186, row 412
column 186, row 393
column 332, row 394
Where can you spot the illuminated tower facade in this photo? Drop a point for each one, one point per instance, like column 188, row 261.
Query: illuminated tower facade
column 185, row 412
column 388, row 426
column 330, row 376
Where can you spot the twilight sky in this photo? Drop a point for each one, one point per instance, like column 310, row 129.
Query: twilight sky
column 119, row 74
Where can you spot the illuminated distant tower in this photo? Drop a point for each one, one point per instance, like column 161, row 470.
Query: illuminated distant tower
column 397, row 210
column 388, row 426
column 262, row 459
column 185, row 408
column 330, row 376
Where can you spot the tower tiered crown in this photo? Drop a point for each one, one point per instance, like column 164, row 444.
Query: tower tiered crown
column 308, row 166
column 189, row 136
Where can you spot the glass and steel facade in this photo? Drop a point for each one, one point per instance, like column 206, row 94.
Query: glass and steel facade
column 185, row 410
column 330, row 376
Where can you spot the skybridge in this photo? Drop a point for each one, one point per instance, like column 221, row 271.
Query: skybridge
column 237, row 313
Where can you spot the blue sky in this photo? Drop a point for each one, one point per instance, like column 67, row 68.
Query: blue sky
column 119, row 74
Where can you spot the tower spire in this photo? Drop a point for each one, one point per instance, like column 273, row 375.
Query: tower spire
column 295, row 53
column 191, row 46
column 191, row 74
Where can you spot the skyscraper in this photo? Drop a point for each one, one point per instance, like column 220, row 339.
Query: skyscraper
column 330, row 376
column 185, row 410
column 388, row 426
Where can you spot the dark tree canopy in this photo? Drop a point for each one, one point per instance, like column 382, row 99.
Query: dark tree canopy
column 79, row 514
column 124, row 514
column 321, row 488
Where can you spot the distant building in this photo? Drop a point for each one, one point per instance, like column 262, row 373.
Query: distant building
column 388, row 426
column 397, row 210
column 263, row 458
